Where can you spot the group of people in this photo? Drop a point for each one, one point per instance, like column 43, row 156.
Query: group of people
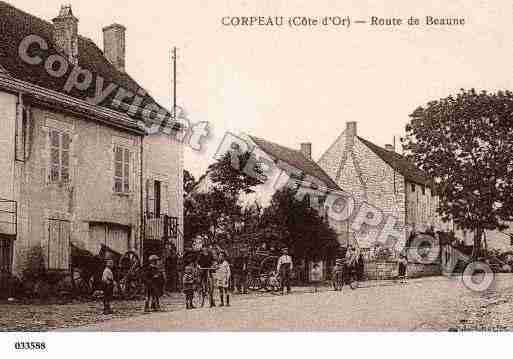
column 214, row 271
column 154, row 281
column 210, row 271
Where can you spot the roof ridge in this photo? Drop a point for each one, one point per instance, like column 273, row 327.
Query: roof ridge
column 399, row 163
column 277, row 144
column 309, row 167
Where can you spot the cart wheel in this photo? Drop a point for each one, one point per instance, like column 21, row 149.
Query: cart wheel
column 254, row 283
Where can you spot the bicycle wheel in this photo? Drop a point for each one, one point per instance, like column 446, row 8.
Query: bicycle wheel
column 197, row 297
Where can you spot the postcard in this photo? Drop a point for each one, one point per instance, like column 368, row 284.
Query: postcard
column 255, row 166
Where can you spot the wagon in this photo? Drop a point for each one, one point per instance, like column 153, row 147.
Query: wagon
column 87, row 270
column 262, row 271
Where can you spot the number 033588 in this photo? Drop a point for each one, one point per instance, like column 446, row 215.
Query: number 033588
column 30, row 346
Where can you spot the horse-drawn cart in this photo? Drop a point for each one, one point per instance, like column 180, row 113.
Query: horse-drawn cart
column 87, row 270
column 262, row 271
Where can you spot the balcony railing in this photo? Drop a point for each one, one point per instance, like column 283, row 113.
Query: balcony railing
column 163, row 228
column 8, row 217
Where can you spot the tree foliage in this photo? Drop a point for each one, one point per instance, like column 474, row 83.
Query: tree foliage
column 464, row 143
column 189, row 182
column 217, row 212
column 235, row 174
column 299, row 226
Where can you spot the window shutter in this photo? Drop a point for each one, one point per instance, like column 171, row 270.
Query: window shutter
column 149, row 198
column 65, row 245
column 164, row 198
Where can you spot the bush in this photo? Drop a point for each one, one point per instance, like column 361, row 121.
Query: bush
column 10, row 285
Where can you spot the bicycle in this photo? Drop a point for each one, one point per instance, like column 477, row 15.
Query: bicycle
column 345, row 276
column 205, row 287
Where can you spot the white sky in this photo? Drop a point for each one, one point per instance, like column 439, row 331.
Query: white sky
column 295, row 85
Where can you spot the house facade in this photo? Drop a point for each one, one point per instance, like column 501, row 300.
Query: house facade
column 385, row 180
column 79, row 170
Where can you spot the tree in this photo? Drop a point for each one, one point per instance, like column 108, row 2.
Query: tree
column 236, row 174
column 217, row 213
column 209, row 214
column 299, row 226
column 189, row 182
column 464, row 143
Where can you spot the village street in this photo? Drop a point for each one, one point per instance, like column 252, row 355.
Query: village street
column 435, row 303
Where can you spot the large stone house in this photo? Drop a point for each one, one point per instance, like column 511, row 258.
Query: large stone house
column 384, row 179
column 78, row 169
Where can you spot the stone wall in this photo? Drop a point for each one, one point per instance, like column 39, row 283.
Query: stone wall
column 360, row 172
column 389, row 270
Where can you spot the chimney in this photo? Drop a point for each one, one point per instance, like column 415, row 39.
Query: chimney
column 389, row 147
column 351, row 133
column 306, row 149
column 65, row 34
column 114, row 45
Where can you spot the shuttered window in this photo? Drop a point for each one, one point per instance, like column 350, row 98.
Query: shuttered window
column 59, row 233
column 121, row 170
column 60, row 143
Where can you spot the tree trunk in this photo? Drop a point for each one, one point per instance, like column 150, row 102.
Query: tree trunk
column 477, row 242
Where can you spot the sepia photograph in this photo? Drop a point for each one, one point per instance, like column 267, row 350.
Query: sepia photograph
column 332, row 167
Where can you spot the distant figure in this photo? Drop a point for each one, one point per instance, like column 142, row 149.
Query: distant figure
column 223, row 275
column 188, row 285
column 240, row 273
column 360, row 267
column 403, row 263
column 284, row 268
column 316, row 276
column 155, row 281
column 108, row 286
column 206, row 263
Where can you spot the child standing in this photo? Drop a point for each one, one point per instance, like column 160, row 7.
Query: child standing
column 188, row 285
column 108, row 286
column 316, row 276
column 223, row 275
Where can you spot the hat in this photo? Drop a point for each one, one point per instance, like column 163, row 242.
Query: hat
column 153, row 257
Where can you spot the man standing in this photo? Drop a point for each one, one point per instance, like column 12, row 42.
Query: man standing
column 284, row 267
column 108, row 286
column 206, row 263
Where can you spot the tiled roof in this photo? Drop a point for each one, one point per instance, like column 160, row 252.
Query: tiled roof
column 296, row 159
column 15, row 25
column 399, row 163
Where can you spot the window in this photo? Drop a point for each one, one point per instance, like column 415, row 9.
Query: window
column 59, row 156
column 59, row 232
column 413, row 187
column 121, row 170
column 423, row 190
column 156, row 198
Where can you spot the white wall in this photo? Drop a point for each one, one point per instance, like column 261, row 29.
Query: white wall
column 7, row 132
column 163, row 161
